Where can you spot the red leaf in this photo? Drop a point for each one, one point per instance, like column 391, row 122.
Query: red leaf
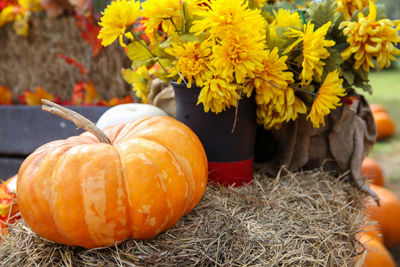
column 3, row 4
column 89, row 33
column 71, row 61
column 84, row 94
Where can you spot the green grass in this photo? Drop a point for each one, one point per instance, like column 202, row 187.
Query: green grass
column 386, row 91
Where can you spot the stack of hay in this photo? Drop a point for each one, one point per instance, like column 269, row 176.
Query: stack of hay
column 295, row 219
column 27, row 62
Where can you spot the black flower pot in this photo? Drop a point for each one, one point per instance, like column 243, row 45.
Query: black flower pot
column 230, row 153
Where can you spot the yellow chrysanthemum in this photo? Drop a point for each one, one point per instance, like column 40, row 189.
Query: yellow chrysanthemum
column 272, row 79
column 194, row 6
column 328, row 98
column 31, row 5
column 257, row 3
column 228, row 17
column 21, row 24
column 370, row 39
column 349, row 7
column 192, row 60
column 238, row 57
column 118, row 15
column 281, row 109
column 285, row 19
column 217, row 95
column 166, row 13
column 139, row 79
column 7, row 15
column 314, row 50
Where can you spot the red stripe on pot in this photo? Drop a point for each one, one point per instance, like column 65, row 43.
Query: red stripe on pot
column 231, row 173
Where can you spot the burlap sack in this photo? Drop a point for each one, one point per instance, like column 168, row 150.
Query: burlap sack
column 162, row 95
column 340, row 146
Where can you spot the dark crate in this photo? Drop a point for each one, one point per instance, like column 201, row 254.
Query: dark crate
column 25, row 128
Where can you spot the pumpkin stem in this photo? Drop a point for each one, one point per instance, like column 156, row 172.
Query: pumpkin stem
column 76, row 118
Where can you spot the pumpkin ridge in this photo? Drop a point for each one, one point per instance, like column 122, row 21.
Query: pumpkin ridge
column 42, row 155
column 190, row 181
column 112, row 219
column 54, row 177
column 125, row 187
column 61, row 160
column 128, row 130
column 53, row 173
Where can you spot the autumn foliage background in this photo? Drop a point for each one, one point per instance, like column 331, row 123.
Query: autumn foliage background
column 58, row 56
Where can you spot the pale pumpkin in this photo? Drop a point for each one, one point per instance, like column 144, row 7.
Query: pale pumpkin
column 125, row 113
column 82, row 192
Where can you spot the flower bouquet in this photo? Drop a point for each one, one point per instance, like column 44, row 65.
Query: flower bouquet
column 294, row 61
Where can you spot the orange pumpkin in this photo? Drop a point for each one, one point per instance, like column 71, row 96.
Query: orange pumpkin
column 384, row 124
column 377, row 254
column 81, row 192
column 373, row 230
column 373, row 171
column 377, row 108
column 387, row 215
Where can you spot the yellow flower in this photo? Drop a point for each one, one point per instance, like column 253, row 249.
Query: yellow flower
column 139, row 79
column 228, row 17
column 281, row 108
column 314, row 50
column 191, row 62
column 166, row 13
column 31, row 5
column 21, row 24
column 237, row 57
column 285, row 19
column 7, row 15
column 271, row 79
column 328, row 98
column 349, row 7
column 217, row 95
column 194, row 6
column 118, row 15
column 369, row 39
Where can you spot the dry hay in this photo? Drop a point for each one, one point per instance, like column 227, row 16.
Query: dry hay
column 302, row 219
column 27, row 62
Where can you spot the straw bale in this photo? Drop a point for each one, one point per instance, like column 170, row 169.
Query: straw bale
column 296, row 219
column 27, row 62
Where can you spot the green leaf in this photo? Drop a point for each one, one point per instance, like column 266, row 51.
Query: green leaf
column 268, row 12
column 137, row 51
column 333, row 62
column 349, row 77
column 361, row 80
column 166, row 62
column 380, row 12
column 137, row 63
column 322, row 12
column 189, row 38
column 166, row 43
